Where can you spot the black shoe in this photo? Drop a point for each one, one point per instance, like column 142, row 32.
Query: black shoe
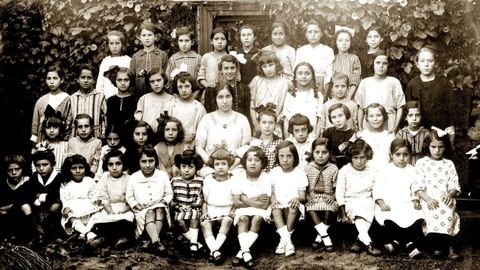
column 453, row 256
column 317, row 245
column 329, row 248
column 237, row 261
column 248, row 264
column 217, row 257
column 373, row 251
column 356, row 247
column 159, row 249
column 122, row 243
column 438, row 253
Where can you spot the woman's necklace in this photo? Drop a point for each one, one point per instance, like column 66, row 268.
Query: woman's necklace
column 224, row 124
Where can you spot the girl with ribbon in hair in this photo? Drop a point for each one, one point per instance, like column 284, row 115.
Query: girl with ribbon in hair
column 268, row 86
column 151, row 104
column 56, row 99
column 185, row 107
column 438, row 187
column 53, row 131
column 322, row 181
column 170, row 137
column 116, row 56
column 121, row 106
column 266, row 138
column 346, row 62
column 304, row 98
column 218, row 204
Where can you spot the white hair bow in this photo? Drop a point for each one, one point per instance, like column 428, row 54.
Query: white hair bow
column 183, row 68
column 240, row 57
column 441, row 132
column 351, row 31
column 473, row 153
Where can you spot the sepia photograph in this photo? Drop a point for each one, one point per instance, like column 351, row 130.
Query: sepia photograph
column 240, row 134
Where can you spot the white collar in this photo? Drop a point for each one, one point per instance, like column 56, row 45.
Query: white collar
column 50, row 179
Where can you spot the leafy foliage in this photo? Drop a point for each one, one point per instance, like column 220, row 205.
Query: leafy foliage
column 38, row 33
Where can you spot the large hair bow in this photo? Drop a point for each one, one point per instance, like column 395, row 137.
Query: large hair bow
column 268, row 107
column 44, row 146
column 164, row 117
column 222, row 145
column 441, row 132
column 339, row 28
column 111, row 73
column 51, row 112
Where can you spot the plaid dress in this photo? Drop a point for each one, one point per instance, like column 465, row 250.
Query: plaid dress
column 268, row 146
column 322, row 182
column 187, row 194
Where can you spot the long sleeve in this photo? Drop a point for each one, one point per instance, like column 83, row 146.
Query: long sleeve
column 35, row 122
column 130, row 193
column 96, row 157
column 452, row 183
column 65, row 195
column 356, row 71
column 102, row 189
column 101, row 79
column 341, row 188
column 167, row 190
column 202, row 72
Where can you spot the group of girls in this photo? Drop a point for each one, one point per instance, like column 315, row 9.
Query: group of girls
column 325, row 145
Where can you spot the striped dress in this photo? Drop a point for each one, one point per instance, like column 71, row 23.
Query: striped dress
column 416, row 141
column 322, row 182
column 187, row 194
column 349, row 64
column 93, row 104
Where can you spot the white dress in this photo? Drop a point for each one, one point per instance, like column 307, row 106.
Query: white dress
column 112, row 191
column 286, row 185
column 306, row 104
column 218, row 197
column 394, row 186
column 79, row 197
column 380, row 143
column 104, row 85
column 354, row 190
column 151, row 191
column 437, row 178
column 252, row 189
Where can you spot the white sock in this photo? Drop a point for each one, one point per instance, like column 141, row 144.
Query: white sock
column 211, row 243
column 362, row 227
column 244, row 242
column 321, row 229
column 187, row 234
column 220, row 239
column 252, row 237
column 79, row 227
column 91, row 235
column 318, row 239
column 284, row 235
column 193, row 234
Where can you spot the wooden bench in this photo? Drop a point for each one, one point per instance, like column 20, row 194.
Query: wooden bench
column 468, row 208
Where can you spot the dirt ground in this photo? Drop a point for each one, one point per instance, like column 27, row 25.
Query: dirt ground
column 467, row 244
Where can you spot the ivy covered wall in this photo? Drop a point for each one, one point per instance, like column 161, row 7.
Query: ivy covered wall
column 38, row 33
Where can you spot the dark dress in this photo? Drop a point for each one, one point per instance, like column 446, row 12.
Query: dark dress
column 47, row 222
column 14, row 223
column 437, row 100
column 249, row 69
column 336, row 138
column 241, row 100
column 120, row 110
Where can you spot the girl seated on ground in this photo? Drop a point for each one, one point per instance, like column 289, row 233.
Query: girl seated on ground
column 396, row 206
column 289, row 183
column 218, row 202
column 115, row 222
column 354, row 194
column 79, row 199
column 251, row 197
column 148, row 193
column 188, row 197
